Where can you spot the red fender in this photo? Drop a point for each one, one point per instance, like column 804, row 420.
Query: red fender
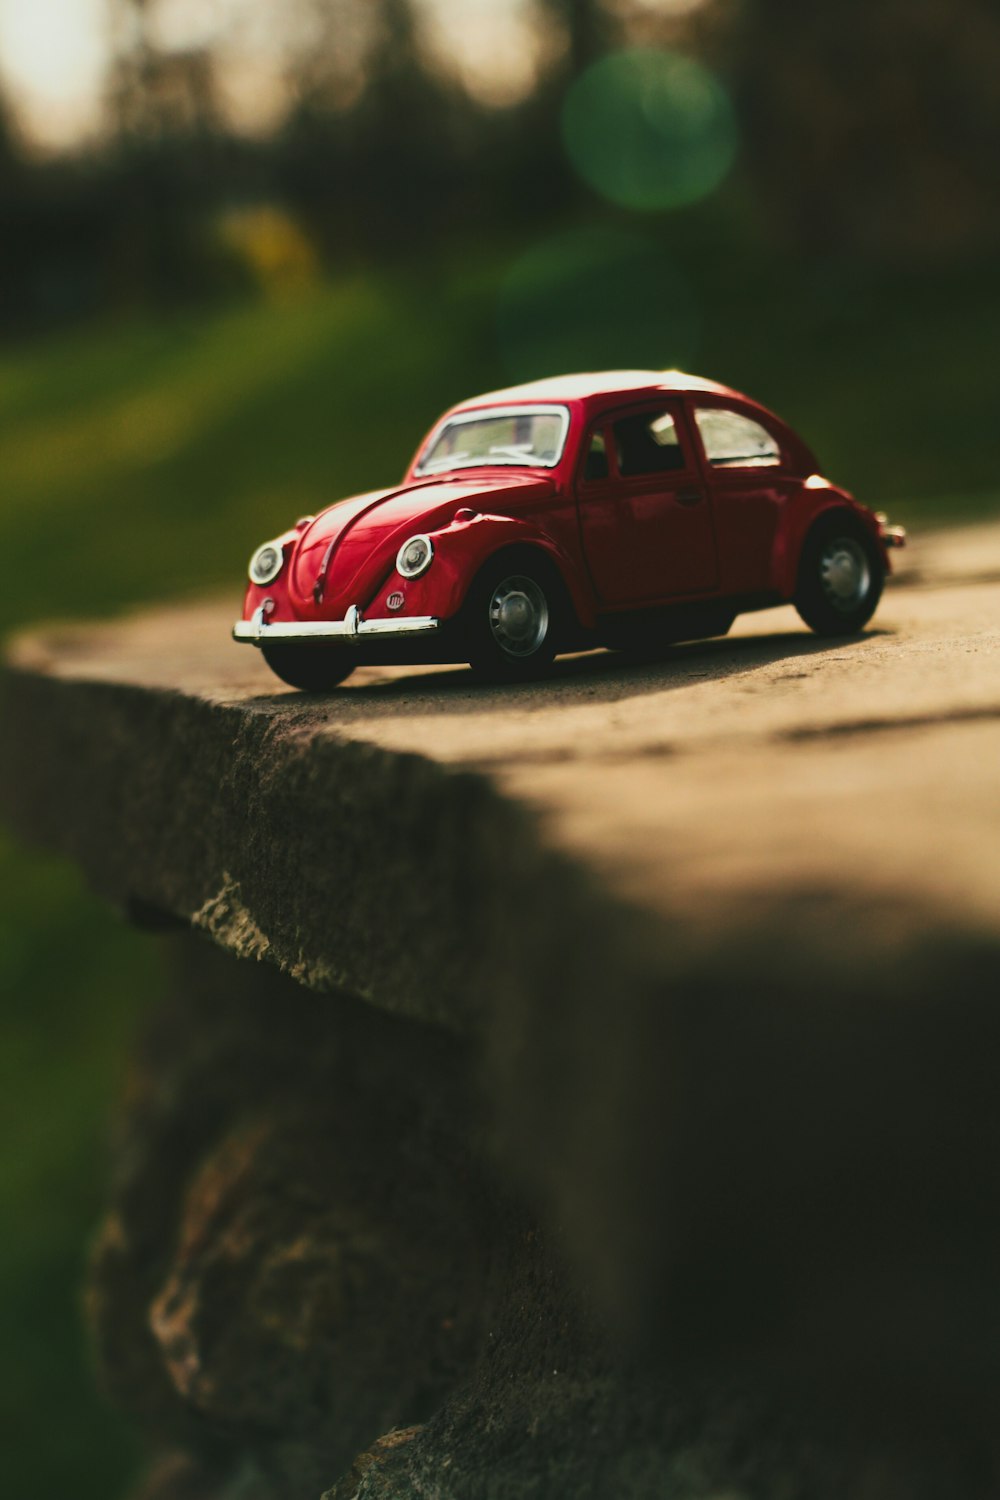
column 460, row 550
column 797, row 522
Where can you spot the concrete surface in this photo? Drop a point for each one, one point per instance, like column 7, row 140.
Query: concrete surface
column 732, row 769
column 717, row 941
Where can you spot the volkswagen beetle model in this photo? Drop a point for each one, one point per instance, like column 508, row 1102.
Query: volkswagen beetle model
column 627, row 509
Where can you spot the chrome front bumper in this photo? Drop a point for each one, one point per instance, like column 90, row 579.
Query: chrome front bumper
column 351, row 628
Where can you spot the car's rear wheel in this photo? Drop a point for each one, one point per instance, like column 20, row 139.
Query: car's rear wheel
column 512, row 618
column 841, row 574
column 313, row 668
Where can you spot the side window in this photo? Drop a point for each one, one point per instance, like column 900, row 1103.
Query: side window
column 734, row 441
column 596, row 463
column 648, row 444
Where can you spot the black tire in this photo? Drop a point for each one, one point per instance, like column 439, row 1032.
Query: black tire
column 841, row 574
column 512, row 618
column 316, row 669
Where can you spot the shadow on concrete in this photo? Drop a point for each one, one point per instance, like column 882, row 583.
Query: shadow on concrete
column 610, row 676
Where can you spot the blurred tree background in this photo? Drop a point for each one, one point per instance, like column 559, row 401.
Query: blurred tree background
column 248, row 251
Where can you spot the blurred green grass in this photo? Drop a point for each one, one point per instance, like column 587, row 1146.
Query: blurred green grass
column 148, row 460
column 70, row 979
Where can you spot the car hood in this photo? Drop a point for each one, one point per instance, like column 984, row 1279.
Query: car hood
column 349, row 548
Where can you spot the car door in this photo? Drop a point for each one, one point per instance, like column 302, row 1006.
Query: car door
column 645, row 523
column 750, row 486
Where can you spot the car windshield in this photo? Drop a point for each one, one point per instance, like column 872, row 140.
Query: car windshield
column 529, row 436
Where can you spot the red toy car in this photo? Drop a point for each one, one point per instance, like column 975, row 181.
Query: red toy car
column 625, row 509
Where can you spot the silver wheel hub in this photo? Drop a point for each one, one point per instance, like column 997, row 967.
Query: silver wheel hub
column 518, row 616
column 845, row 573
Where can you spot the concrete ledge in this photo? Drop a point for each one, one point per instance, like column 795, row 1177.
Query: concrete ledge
column 716, row 942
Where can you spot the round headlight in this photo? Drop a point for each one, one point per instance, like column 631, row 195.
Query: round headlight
column 265, row 565
column 414, row 557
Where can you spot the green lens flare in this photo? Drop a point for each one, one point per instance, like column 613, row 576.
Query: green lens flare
column 649, row 129
column 595, row 300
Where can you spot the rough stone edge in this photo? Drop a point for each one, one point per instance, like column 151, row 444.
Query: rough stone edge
column 566, row 986
column 350, row 867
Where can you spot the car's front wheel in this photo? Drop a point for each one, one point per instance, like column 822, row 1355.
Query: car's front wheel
column 313, row 668
column 512, row 619
column 841, row 574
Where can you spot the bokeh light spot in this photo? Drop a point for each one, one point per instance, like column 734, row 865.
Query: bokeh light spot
column 592, row 300
column 650, row 129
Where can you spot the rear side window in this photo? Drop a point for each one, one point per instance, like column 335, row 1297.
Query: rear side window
column 734, row 441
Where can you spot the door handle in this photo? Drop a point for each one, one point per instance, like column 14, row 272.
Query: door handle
column 688, row 497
